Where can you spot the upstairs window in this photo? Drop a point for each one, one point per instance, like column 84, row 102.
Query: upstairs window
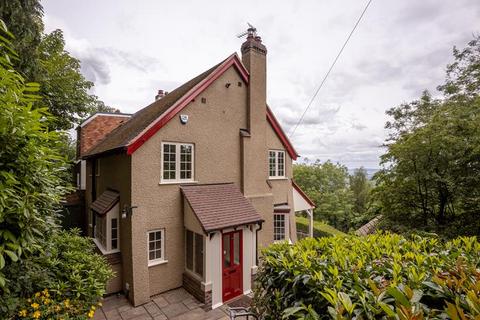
column 177, row 162
column 276, row 164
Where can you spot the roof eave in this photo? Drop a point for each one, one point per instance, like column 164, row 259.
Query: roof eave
column 281, row 134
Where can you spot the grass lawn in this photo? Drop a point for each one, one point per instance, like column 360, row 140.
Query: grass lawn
column 320, row 229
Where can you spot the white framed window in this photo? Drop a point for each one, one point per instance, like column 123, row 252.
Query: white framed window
column 276, row 164
column 106, row 231
column 177, row 162
column 279, row 227
column 194, row 252
column 156, row 247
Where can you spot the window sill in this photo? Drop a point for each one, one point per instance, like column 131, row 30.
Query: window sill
column 277, row 178
column 178, row 182
column 194, row 274
column 102, row 249
column 156, row 262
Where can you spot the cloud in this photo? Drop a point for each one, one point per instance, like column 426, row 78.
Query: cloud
column 399, row 49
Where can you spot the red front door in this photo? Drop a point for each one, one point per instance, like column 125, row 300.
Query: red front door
column 232, row 280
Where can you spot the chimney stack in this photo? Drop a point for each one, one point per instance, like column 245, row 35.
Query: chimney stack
column 254, row 57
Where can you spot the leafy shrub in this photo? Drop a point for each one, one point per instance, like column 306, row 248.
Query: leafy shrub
column 32, row 170
column 378, row 276
column 68, row 267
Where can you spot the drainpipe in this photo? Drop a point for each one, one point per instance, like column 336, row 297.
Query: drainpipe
column 256, row 242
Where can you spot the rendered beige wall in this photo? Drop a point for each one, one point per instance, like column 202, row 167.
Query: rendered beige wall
column 214, row 129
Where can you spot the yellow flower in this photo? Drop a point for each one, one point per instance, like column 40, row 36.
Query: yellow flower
column 57, row 308
column 66, row 303
column 91, row 314
column 37, row 294
column 93, row 308
column 36, row 314
column 23, row 313
column 100, row 304
column 34, row 305
column 47, row 301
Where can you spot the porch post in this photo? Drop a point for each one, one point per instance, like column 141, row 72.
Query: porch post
column 310, row 213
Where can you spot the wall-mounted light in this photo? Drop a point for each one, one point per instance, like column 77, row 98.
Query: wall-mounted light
column 127, row 211
column 184, row 118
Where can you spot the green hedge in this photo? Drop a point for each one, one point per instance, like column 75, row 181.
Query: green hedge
column 382, row 276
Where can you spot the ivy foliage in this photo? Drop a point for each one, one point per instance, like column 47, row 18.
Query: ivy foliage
column 381, row 276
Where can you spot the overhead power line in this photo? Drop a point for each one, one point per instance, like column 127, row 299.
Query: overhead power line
column 330, row 69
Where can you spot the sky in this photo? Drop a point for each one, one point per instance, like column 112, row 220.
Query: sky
column 130, row 49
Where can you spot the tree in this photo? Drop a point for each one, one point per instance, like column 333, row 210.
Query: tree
column 431, row 175
column 360, row 187
column 24, row 20
column 43, row 60
column 31, row 168
column 63, row 87
column 327, row 185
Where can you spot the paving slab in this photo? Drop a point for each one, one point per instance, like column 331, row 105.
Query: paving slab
column 174, row 309
column 135, row 313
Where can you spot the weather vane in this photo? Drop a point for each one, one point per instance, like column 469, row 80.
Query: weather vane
column 250, row 32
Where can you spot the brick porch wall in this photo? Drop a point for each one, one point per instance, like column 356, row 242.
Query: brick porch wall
column 194, row 287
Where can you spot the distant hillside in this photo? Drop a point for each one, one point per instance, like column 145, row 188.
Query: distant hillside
column 370, row 171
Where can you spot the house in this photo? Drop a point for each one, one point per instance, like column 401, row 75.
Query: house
column 187, row 190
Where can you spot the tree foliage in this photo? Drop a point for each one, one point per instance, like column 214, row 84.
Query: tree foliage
column 431, row 174
column 31, row 168
column 327, row 185
column 44, row 60
column 34, row 254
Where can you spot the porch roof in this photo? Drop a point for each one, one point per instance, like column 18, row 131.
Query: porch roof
column 105, row 202
column 220, row 206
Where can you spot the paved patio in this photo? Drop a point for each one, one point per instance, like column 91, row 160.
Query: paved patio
column 176, row 304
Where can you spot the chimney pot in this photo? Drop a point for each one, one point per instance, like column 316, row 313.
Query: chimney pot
column 160, row 95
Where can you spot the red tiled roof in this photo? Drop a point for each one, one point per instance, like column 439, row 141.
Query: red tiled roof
column 105, row 202
column 96, row 127
column 220, row 206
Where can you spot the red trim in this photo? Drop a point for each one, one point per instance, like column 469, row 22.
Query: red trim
column 304, row 196
column 281, row 135
column 234, row 60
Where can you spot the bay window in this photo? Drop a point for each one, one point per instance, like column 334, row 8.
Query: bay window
column 106, row 231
